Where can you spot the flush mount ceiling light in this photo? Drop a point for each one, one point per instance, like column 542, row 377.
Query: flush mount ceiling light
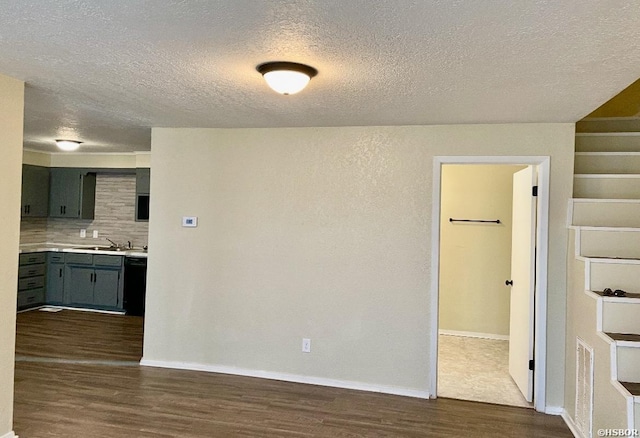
column 286, row 77
column 68, row 145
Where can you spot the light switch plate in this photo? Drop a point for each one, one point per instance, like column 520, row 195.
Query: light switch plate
column 190, row 221
column 95, row 234
column 83, row 233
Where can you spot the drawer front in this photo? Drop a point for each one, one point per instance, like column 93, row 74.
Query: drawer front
column 30, row 283
column 107, row 260
column 33, row 258
column 56, row 257
column 78, row 258
column 30, row 271
column 29, row 298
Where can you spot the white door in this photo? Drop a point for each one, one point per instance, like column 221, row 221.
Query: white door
column 523, row 268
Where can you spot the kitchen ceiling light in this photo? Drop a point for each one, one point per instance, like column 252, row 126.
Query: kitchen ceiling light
column 286, row 77
column 68, row 145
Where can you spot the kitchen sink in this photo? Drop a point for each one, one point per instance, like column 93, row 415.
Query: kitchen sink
column 99, row 248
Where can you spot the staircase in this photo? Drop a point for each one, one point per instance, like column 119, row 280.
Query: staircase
column 604, row 253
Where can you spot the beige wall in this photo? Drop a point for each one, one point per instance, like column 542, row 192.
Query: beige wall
column 475, row 259
column 322, row 233
column 11, row 123
column 81, row 159
column 36, row 158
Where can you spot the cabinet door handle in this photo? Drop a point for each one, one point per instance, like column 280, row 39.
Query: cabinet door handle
column 64, row 209
column 61, row 209
column 60, row 274
column 95, row 278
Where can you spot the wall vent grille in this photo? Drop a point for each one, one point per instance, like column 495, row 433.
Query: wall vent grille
column 584, row 388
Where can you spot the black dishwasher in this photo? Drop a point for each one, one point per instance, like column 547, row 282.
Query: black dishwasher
column 135, row 285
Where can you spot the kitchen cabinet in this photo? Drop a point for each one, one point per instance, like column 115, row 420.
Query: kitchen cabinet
column 143, row 178
column 55, row 278
column 35, row 191
column 31, row 272
column 72, row 193
column 93, row 280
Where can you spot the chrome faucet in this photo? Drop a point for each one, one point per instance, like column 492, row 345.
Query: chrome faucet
column 113, row 244
column 129, row 245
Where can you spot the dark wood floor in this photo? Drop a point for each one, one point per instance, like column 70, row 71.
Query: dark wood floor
column 71, row 334
column 54, row 399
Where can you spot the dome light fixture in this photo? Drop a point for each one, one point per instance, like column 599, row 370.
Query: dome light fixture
column 68, row 145
column 286, row 77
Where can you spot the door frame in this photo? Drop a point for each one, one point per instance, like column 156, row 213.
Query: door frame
column 542, row 256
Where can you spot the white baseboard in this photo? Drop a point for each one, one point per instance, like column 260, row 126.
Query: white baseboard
column 9, row 435
column 554, row 410
column 473, row 335
column 572, row 426
column 321, row 381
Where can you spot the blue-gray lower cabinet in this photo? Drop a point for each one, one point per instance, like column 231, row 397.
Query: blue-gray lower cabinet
column 79, row 285
column 31, row 280
column 93, row 281
column 55, row 278
column 105, row 288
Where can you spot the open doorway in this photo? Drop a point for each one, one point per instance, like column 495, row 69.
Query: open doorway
column 475, row 260
column 472, row 261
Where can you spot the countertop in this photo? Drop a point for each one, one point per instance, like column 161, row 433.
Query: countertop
column 62, row 247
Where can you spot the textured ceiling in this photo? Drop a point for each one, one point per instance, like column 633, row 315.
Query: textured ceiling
column 106, row 71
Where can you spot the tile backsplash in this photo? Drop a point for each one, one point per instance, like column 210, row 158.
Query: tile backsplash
column 114, row 218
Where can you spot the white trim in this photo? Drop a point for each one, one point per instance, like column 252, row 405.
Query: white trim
column 606, row 175
column 570, row 424
column 621, row 389
column 606, row 119
column 9, row 435
column 473, row 335
column 608, row 154
column 613, row 357
column 578, row 241
column 592, row 294
column 608, row 134
column 605, row 201
column 542, row 258
column 610, row 261
column 587, row 274
column 296, row 378
column 627, row 344
column 621, row 300
column 82, row 309
column 607, row 229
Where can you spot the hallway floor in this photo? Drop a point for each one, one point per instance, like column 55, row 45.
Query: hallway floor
column 476, row 369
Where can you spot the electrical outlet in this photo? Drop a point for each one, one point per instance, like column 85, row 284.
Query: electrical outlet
column 83, row 233
column 306, row 345
column 95, row 234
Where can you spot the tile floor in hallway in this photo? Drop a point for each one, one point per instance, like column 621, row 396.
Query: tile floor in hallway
column 476, row 369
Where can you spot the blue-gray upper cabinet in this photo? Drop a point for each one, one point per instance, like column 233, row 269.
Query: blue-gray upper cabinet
column 143, row 180
column 35, row 191
column 72, row 193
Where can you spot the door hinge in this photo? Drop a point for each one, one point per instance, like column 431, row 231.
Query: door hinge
column 534, row 191
column 531, row 365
